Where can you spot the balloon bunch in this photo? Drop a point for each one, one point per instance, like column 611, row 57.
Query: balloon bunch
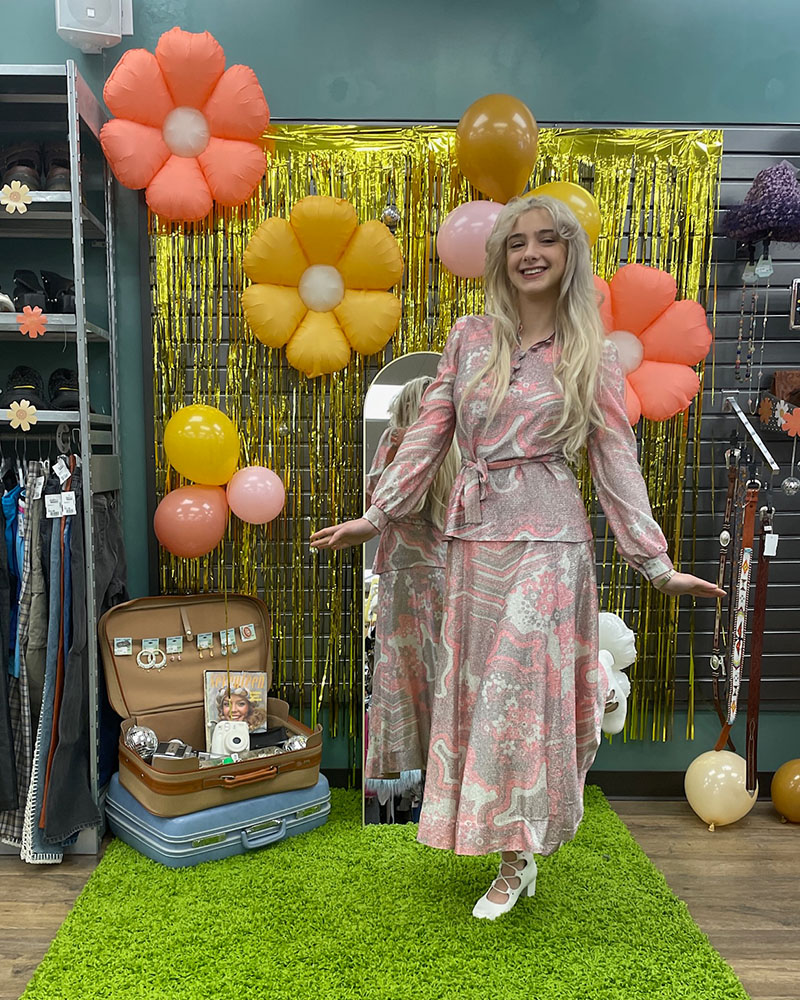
column 202, row 444
column 497, row 143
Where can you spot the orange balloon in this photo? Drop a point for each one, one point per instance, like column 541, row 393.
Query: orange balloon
column 496, row 145
column 583, row 204
column 785, row 790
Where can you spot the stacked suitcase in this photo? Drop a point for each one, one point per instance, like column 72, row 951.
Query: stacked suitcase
column 174, row 811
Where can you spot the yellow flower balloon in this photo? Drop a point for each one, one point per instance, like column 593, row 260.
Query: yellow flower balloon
column 320, row 284
column 202, row 444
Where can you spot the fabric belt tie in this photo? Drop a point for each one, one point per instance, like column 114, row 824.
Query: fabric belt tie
column 476, row 475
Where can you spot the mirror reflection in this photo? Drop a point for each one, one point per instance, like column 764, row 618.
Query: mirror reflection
column 404, row 586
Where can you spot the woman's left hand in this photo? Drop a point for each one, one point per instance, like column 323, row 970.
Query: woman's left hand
column 685, row 583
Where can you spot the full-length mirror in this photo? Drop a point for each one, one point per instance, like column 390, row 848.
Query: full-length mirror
column 403, row 587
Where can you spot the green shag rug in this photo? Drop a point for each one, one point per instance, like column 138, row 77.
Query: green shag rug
column 346, row 912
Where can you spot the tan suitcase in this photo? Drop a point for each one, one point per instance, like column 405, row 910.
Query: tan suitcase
column 170, row 702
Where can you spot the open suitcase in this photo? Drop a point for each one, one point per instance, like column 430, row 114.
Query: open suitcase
column 170, row 700
column 216, row 833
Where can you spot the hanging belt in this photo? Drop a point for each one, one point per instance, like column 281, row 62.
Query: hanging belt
column 769, row 543
column 718, row 665
column 740, row 622
column 476, row 475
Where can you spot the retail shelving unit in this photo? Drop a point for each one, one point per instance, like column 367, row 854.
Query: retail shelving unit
column 54, row 103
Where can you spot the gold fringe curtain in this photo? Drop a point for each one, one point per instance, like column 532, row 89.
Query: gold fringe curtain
column 656, row 190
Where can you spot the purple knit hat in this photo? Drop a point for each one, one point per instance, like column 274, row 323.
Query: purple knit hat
column 771, row 208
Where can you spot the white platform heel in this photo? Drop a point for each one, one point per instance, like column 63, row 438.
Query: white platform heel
column 516, row 878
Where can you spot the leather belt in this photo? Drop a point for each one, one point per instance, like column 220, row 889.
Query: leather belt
column 738, row 634
column 476, row 475
column 718, row 664
column 766, row 551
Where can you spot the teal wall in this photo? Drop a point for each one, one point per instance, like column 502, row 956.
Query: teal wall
column 569, row 60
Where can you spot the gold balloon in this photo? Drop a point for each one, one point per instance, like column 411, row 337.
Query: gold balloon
column 583, row 204
column 202, row 444
column 715, row 787
column 496, row 144
column 785, row 790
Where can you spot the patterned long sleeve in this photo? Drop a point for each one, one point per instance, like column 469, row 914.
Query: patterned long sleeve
column 618, row 478
column 380, row 460
column 407, row 479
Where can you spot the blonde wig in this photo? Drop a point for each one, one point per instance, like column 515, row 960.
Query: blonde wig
column 579, row 333
column 403, row 411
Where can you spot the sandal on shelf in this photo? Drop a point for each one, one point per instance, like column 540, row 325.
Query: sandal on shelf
column 56, row 166
column 28, row 291
column 23, row 162
column 59, row 292
column 516, row 877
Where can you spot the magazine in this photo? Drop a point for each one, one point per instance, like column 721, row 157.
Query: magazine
column 247, row 701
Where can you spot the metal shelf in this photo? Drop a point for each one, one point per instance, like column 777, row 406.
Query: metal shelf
column 62, row 324
column 49, row 216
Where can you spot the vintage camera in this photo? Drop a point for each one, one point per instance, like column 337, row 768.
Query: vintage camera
column 230, row 737
column 172, row 749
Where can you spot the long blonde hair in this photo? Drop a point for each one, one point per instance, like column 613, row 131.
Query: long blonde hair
column 579, row 330
column 403, row 411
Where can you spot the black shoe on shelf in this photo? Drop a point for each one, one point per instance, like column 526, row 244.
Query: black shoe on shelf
column 24, row 383
column 22, row 162
column 55, row 157
column 59, row 292
column 28, row 291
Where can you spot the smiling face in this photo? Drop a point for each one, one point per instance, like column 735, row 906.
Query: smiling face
column 236, row 708
column 536, row 256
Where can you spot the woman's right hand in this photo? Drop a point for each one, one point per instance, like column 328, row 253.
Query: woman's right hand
column 342, row 536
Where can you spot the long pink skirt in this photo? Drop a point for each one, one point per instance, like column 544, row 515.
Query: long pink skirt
column 518, row 698
column 407, row 630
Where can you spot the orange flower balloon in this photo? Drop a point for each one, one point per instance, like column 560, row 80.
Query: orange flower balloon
column 497, row 140
column 186, row 129
column 658, row 340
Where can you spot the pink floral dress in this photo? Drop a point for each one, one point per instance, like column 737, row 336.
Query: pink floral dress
column 518, row 697
column 410, row 561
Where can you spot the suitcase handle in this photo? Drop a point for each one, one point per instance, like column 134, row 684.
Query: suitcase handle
column 277, row 833
column 234, row 780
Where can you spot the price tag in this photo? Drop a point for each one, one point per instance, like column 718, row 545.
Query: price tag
column 38, row 486
column 150, row 644
column 248, row 633
column 770, row 543
column 174, row 643
column 52, row 505
column 227, row 638
column 123, row 646
column 205, row 640
column 61, row 469
column 68, row 502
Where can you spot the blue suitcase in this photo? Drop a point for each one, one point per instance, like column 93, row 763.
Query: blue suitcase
column 221, row 832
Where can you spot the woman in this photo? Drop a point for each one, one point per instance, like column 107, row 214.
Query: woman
column 410, row 561
column 519, row 698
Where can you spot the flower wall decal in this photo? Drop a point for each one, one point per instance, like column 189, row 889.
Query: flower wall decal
column 320, row 283
column 15, row 197
column 658, row 339
column 32, row 322
column 22, row 414
column 186, row 129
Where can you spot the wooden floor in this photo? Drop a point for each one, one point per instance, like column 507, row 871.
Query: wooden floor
column 741, row 884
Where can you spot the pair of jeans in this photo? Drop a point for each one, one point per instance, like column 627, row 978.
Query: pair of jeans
column 8, row 766
column 10, row 503
column 70, row 807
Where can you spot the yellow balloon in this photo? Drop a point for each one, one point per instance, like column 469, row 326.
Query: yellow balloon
column 202, row 444
column 715, row 787
column 583, row 204
column 785, row 790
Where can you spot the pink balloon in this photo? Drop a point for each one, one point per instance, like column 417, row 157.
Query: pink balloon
column 461, row 240
column 256, row 494
column 191, row 520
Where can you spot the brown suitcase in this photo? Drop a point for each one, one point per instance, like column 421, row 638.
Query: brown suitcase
column 170, row 702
